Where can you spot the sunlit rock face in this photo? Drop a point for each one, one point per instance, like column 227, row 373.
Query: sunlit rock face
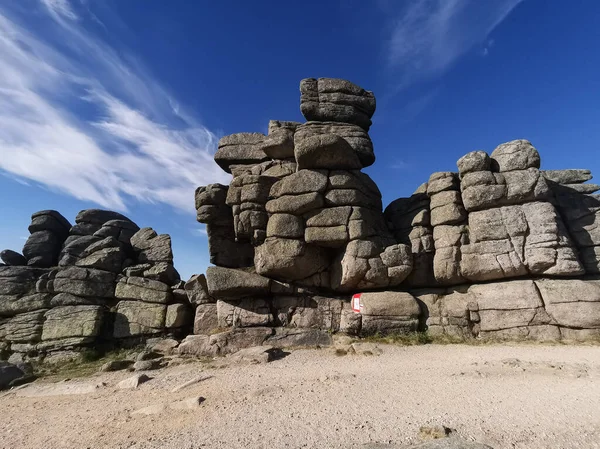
column 497, row 248
column 484, row 250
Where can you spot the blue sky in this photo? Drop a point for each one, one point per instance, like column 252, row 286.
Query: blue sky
column 120, row 104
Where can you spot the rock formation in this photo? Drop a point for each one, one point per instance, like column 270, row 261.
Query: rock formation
column 100, row 281
column 497, row 249
column 490, row 250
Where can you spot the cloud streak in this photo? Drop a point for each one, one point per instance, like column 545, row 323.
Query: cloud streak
column 428, row 36
column 201, row 231
column 60, row 9
column 82, row 119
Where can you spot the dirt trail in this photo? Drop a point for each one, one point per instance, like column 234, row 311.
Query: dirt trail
column 524, row 397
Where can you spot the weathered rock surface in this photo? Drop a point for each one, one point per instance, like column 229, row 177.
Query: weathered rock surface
column 8, row 374
column 134, row 318
column 88, row 284
column 13, row 258
column 213, row 210
column 315, row 228
column 147, row 365
column 206, row 319
column 229, row 283
column 133, row 382
column 291, row 259
column 72, row 321
column 493, row 250
column 279, row 143
column 116, row 365
column 328, row 151
column 226, row 342
column 41, row 249
column 240, row 149
column 256, row 355
column 515, row 155
column 388, row 312
column 142, row 289
column 50, row 220
column 571, row 303
column 356, row 137
column 329, row 99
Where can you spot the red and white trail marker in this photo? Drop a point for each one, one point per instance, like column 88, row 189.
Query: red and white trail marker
column 356, row 306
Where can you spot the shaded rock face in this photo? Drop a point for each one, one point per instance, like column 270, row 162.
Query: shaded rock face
column 94, row 283
column 300, row 223
column 8, row 374
column 10, row 257
column 48, row 229
column 224, row 248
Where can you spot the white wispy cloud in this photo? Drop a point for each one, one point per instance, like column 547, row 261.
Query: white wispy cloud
column 486, row 50
column 200, row 231
column 428, row 36
column 400, row 164
column 60, row 8
column 129, row 140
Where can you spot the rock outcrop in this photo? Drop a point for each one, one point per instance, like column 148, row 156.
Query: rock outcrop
column 489, row 250
column 302, row 249
column 99, row 282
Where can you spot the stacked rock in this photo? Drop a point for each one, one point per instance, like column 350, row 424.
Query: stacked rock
column 147, row 291
column 448, row 220
column 501, row 218
column 96, row 241
column 106, row 280
column 299, row 219
column 495, row 249
column 310, row 214
column 22, row 308
column 48, row 230
column 539, row 309
column 495, row 219
column 514, row 229
column 301, row 228
column 580, row 209
column 223, row 246
column 410, row 222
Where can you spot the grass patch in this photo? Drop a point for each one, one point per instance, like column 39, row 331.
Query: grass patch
column 419, row 338
column 88, row 363
column 410, row 339
column 423, row 338
column 219, row 330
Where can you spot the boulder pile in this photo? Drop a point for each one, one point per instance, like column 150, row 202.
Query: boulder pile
column 301, row 248
column 492, row 249
column 100, row 281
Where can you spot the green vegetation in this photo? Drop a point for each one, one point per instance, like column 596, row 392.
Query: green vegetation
column 417, row 338
column 91, row 360
column 88, row 363
column 424, row 338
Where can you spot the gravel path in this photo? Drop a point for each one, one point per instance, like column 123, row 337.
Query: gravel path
column 524, row 397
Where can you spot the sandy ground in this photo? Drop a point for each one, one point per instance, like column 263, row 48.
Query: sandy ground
column 506, row 396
